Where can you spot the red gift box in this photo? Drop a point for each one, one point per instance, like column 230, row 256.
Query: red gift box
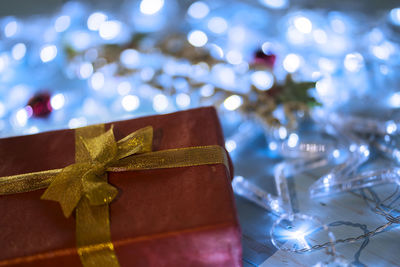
column 166, row 217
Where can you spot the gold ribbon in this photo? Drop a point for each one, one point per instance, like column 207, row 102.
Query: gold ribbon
column 83, row 186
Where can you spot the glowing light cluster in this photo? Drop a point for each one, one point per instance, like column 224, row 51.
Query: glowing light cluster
column 394, row 16
column 110, row 29
column 160, row 103
column 197, row 38
column 263, row 80
column 230, row 145
column 183, row 100
column 130, row 102
column 303, row 24
column 95, row 20
column 353, row 62
column 18, row 51
column 4, row 61
column 124, row 88
column 85, row 70
column 217, row 25
column 151, row 7
column 291, row 63
column 48, row 53
column 130, row 58
column 234, row 57
column 198, row 10
column 233, row 102
column 21, row 117
column 57, row 101
column 275, row 4
column 11, row 29
column 62, row 23
column 97, row 80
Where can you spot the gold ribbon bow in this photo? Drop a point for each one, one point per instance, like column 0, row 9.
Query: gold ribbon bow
column 83, row 186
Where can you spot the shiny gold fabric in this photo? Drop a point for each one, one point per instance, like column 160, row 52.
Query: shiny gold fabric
column 83, row 185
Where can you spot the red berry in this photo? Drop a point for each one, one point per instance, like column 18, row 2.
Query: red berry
column 267, row 60
column 40, row 104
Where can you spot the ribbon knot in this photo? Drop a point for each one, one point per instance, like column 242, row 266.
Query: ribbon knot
column 88, row 178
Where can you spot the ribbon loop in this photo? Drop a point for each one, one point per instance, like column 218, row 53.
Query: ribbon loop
column 100, row 192
column 66, row 187
column 86, row 178
column 101, row 148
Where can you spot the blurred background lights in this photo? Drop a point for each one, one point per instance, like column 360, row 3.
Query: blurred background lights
column 234, row 57
column 90, row 106
column 77, row 122
column 303, row 24
column 291, row 63
column 353, row 62
column 97, row 80
column 4, row 60
column 294, row 36
column 57, row 101
column 391, row 127
column 32, row 130
column 293, row 140
column 124, row 88
column 395, row 16
column 91, row 54
column 383, row 51
column 48, row 53
column 223, row 74
column 95, row 20
column 183, row 100
column 110, row 29
column 375, row 35
column 80, row 40
column 207, row 90
column 19, row 95
column 217, row 25
column 394, row 100
column 147, row 73
column 233, row 102
column 130, row 58
column 21, row 117
column 18, row 51
column 336, row 153
column 320, row 36
column 130, row 102
column 150, row 7
column 160, row 103
column 282, row 132
column 237, row 34
column 2, row 110
column 62, row 23
column 338, row 25
column 216, row 51
column 230, row 145
column 197, row 38
column 85, row 70
column 263, row 80
column 198, row 10
column 326, row 65
column 277, row 4
column 273, row 146
column 11, row 29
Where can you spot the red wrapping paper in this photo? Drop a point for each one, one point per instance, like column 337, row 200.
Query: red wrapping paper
column 166, row 217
